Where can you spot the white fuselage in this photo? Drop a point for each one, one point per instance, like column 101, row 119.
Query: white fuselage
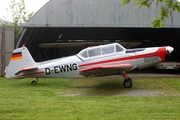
column 71, row 66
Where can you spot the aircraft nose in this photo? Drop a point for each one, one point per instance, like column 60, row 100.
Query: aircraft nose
column 169, row 49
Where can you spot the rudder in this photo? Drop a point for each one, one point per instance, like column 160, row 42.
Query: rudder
column 20, row 59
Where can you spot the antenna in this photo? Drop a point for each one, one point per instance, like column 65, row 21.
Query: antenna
column 59, row 38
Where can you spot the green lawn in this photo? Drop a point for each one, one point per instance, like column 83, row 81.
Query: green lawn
column 90, row 98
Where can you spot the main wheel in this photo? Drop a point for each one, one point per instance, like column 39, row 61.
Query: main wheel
column 33, row 82
column 127, row 83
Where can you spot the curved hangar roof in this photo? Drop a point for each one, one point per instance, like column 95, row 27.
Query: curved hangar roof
column 97, row 13
column 96, row 20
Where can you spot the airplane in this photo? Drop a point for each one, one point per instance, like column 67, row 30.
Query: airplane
column 95, row 61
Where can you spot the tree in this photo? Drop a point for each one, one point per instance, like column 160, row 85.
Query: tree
column 4, row 23
column 19, row 15
column 164, row 12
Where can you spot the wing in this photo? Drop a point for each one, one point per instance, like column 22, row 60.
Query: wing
column 105, row 70
column 25, row 69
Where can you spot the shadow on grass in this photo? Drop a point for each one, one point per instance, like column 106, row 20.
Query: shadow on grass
column 96, row 87
column 104, row 85
column 113, row 86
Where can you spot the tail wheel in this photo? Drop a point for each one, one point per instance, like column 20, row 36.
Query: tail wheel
column 34, row 82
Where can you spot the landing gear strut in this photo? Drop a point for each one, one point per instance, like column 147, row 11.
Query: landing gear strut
column 127, row 83
column 34, row 82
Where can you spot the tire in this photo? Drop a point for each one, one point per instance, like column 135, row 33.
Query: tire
column 127, row 83
column 33, row 82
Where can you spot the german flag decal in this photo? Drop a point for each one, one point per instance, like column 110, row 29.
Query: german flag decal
column 16, row 56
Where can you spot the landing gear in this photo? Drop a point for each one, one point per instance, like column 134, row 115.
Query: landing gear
column 34, row 82
column 127, row 81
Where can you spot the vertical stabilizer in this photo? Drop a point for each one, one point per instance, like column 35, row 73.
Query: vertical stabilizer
column 20, row 59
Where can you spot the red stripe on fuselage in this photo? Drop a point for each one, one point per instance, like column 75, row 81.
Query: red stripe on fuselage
column 161, row 52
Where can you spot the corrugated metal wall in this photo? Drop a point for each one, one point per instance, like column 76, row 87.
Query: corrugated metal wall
column 6, row 47
column 97, row 13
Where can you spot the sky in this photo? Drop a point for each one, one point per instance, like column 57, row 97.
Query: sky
column 31, row 6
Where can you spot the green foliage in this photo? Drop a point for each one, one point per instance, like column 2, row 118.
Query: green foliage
column 124, row 2
column 167, row 6
column 5, row 24
column 176, row 6
column 19, row 12
column 164, row 13
column 156, row 23
column 19, row 15
column 143, row 3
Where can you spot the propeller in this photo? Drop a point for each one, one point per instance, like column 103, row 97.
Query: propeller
column 169, row 50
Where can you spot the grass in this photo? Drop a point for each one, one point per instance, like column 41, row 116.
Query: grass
column 90, row 98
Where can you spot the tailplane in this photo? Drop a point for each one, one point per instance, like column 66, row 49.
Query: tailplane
column 21, row 59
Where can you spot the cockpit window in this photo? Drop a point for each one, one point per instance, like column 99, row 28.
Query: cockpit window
column 83, row 53
column 101, row 50
column 107, row 49
column 119, row 48
column 94, row 52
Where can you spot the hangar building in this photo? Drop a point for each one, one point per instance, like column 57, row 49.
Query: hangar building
column 86, row 21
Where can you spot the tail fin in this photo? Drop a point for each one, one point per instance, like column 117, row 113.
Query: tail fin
column 20, row 59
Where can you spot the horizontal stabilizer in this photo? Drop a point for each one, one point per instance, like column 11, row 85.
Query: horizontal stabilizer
column 25, row 69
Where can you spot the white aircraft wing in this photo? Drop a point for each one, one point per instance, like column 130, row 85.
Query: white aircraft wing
column 105, row 70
